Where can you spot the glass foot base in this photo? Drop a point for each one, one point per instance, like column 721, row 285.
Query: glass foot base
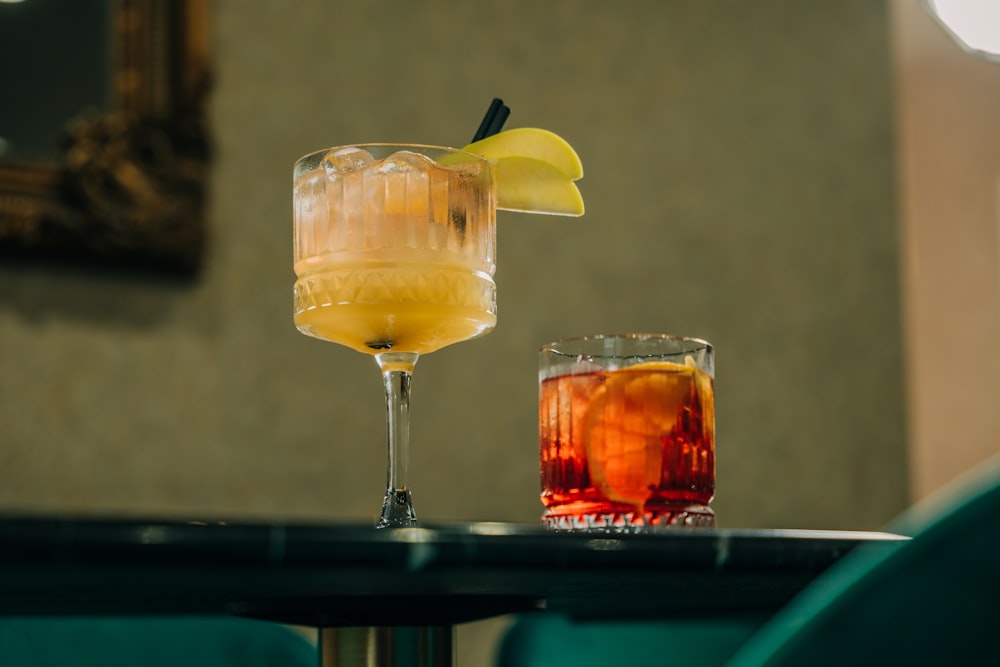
column 397, row 510
column 693, row 516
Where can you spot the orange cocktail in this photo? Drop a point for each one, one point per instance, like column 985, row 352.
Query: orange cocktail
column 627, row 433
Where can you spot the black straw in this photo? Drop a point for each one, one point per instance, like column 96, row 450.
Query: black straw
column 494, row 119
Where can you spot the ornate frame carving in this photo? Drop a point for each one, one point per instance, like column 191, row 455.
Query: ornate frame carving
column 129, row 189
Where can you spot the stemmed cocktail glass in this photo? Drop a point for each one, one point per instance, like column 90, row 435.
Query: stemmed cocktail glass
column 395, row 251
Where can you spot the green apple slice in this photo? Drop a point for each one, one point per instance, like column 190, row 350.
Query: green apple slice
column 530, row 142
column 531, row 185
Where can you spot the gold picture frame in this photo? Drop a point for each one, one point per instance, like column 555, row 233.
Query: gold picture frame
column 129, row 187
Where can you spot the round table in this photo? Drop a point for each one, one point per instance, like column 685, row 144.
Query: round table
column 403, row 588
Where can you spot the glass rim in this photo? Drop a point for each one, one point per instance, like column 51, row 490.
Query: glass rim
column 391, row 144
column 698, row 343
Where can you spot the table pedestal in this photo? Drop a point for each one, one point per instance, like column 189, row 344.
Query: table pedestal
column 387, row 646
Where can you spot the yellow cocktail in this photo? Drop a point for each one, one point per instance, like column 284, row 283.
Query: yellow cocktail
column 395, row 251
column 394, row 256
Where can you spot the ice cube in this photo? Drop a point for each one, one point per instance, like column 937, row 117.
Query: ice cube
column 404, row 177
column 346, row 160
column 405, row 162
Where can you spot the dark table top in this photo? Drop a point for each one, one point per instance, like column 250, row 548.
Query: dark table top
column 325, row 575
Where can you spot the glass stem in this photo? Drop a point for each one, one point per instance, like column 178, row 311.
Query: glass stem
column 397, row 370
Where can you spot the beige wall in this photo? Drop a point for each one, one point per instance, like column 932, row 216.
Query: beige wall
column 740, row 186
column 948, row 103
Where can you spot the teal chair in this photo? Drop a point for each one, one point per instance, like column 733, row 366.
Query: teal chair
column 935, row 601
column 151, row 642
column 552, row 640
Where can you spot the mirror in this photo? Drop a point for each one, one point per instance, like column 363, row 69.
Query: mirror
column 104, row 159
